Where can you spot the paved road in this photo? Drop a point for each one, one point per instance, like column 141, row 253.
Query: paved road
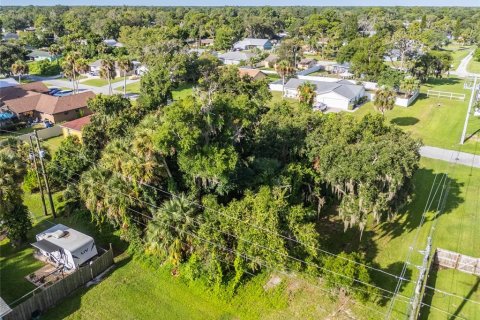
column 462, row 71
column 463, row 158
column 84, row 87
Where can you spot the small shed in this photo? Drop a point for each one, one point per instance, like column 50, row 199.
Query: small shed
column 64, row 246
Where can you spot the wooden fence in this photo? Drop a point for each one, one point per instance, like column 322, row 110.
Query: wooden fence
column 43, row 299
column 460, row 262
column 445, row 94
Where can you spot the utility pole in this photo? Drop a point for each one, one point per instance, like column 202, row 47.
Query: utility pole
column 415, row 303
column 40, row 185
column 47, row 187
column 464, row 132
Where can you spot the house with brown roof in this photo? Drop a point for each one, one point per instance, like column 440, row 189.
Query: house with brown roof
column 32, row 100
column 306, row 63
column 254, row 73
column 74, row 127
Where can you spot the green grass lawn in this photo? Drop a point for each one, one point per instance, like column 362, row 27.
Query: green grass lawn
column 98, row 82
column 473, row 66
column 178, row 93
column 437, row 121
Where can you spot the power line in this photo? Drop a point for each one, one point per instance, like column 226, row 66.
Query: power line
column 253, row 225
column 263, row 229
column 404, row 297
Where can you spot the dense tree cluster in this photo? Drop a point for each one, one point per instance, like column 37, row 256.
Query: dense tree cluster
column 14, row 215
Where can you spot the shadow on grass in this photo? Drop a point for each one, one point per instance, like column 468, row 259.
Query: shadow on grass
column 432, row 82
column 409, row 218
column 405, row 121
column 73, row 302
column 429, row 293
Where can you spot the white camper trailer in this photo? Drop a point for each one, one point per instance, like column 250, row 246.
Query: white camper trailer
column 65, row 246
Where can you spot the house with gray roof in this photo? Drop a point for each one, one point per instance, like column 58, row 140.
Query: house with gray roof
column 235, row 57
column 340, row 94
column 38, row 55
column 252, row 43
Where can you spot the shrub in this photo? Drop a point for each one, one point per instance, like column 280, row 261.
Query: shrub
column 44, row 68
column 30, row 181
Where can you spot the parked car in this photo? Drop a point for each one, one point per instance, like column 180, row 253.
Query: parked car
column 320, row 106
column 52, row 91
column 63, row 93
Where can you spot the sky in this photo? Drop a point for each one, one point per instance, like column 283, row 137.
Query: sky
column 469, row 3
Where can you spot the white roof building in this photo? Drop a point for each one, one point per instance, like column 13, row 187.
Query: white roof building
column 250, row 43
column 235, row 57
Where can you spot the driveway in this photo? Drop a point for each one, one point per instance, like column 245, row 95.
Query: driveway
column 463, row 158
column 462, row 71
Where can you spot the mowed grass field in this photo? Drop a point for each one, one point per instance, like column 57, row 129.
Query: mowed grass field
column 437, row 121
column 98, row 82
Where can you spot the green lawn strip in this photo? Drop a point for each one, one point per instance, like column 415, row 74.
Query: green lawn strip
column 98, row 82
column 53, row 86
column 455, row 282
column 437, row 121
column 473, row 66
column 181, row 92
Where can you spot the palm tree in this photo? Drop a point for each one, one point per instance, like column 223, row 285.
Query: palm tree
column 81, row 67
column 125, row 66
column 384, row 100
column 307, row 93
column 107, row 71
column 170, row 231
column 69, row 67
column 55, row 50
column 284, row 69
column 20, row 68
column 409, row 85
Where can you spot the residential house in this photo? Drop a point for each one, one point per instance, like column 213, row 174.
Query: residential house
column 9, row 36
column 74, row 127
column 206, row 42
column 341, row 94
column 38, row 55
column 255, row 74
column 306, row 63
column 252, row 43
column 97, row 65
column 112, row 43
column 32, row 101
column 235, row 57
column 338, row 68
column 199, row 52
column 269, row 62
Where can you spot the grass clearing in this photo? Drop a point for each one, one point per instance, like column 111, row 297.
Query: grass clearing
column 98, row 82
column 437, row 121
column 181, row 92
column 473, row 66
column 458, row 52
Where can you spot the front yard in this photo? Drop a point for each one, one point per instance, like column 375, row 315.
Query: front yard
column 99, row 82
column 437, row 121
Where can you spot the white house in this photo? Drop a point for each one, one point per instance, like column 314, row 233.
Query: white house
column 97, row 65
column 341, row 94
column 38, row 55
column 64, row 246
column 235, row 57
column 252, row 43
column 112, row 43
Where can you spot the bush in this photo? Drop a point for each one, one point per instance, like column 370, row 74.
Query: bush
column 348, row 271
column 30, row 181
column 476, row 55
column 44, row 68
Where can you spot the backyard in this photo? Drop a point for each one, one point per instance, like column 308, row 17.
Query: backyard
column 178, row 93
